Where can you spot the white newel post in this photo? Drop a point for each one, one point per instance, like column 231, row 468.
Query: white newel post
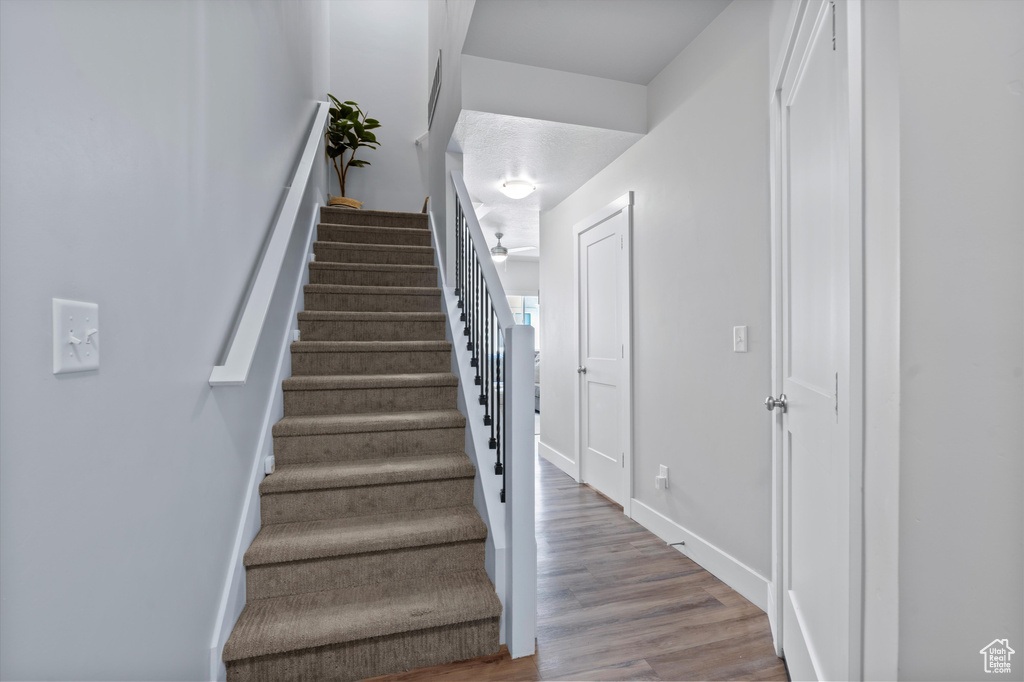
column 521, row 541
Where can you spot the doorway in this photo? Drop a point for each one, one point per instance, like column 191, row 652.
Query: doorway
column 815, row 599
column 603, row 301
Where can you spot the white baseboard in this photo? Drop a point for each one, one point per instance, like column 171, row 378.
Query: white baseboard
column 558, row 459
column 734, row 573
column 232, row 599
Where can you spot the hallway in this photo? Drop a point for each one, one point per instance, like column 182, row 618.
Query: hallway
column 616, row 603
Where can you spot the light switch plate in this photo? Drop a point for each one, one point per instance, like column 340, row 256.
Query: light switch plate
column 76, row 344
column 739, row 339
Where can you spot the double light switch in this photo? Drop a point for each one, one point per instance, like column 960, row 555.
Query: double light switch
column 76, row 330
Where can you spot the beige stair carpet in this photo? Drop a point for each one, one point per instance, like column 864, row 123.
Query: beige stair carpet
column 370, row 559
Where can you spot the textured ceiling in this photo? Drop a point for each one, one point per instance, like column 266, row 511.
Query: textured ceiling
column 625, row 40
column 557, row 157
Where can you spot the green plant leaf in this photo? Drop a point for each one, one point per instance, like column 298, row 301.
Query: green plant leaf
column 359, row 163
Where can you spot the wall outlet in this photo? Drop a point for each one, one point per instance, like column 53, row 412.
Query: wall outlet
column 295, row 335
column 661, row 480
column 268, row 465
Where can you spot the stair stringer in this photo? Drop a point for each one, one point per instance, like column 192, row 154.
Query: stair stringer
column 487, row 486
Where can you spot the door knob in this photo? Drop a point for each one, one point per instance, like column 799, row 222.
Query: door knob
column 780, row 402
column 581, row 370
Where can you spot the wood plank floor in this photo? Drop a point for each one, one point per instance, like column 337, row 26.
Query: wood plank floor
column 616, row 603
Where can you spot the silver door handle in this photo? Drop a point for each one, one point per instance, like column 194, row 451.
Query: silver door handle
column 780, row 402
column 581, row 370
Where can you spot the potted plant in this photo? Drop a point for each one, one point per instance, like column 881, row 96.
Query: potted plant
column 348, row 130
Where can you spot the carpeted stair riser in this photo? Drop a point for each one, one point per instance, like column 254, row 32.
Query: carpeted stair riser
column 374, row 302
column 340, row 447
column 343, row 329
column 337, row 572
column 359, row 363
column 361, row 234
column 312, row 505
column 344, row 216
column 370, row 657
column 339, row 252
column 373, row 275
column 360, row 401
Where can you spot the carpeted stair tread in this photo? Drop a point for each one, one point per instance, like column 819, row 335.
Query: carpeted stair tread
column 325, row 382
column 371, row 267
column 364, row 472
column 362, row 315
column 372, row 234
column 384, row 229
column 370, row 290
column 356, row 246
column 369, row 346
column 314, row 425
column 302, row 540
column 336, row 215
column 283, row 624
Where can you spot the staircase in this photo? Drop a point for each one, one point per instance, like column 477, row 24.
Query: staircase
column 370, row 559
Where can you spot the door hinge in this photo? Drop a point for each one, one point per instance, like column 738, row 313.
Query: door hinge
column 833, row 26
column 623, row 351
column 622, row 242
column 623, row 460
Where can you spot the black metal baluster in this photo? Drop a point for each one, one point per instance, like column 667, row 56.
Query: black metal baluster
column 485, row 333
column 479, row 328
column 458, row 239
column 462, row 271
column 499, row 415
column 499, row 467
column 492, row 388
column 469, row 301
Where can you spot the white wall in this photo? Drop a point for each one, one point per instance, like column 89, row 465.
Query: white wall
column 881, row 338
column 520, row 277
column 447, row 25
column 379, row 59
column 701, row 266
column 146, row 146
column 962, row 340
column 499, row 87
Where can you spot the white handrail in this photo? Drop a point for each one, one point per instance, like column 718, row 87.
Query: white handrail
column 490, row 273
column 235, row 369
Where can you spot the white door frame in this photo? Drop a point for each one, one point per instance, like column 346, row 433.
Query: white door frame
column 622, row 204
column 792, row 46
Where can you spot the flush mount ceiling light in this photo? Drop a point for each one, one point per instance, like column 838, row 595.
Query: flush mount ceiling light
column 516, row 189
column 499, row 253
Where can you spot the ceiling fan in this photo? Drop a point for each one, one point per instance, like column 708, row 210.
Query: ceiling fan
column 499, row 253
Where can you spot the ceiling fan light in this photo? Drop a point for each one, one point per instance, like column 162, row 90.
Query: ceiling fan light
column 498, row 252
column 517, row 189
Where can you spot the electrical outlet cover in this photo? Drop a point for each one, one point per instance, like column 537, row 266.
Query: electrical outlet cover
column 76, row 343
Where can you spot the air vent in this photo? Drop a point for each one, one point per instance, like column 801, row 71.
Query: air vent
column 435, row 92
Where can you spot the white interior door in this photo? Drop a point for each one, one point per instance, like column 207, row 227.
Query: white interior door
column 603, row 299
column 815, row 331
